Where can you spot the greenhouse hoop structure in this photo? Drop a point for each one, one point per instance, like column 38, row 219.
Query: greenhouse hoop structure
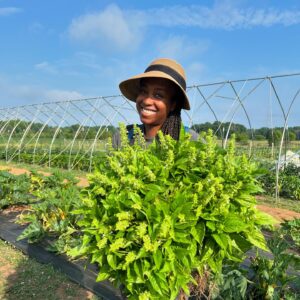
column 73, row 133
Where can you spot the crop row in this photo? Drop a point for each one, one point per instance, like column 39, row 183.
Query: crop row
column 78, row 161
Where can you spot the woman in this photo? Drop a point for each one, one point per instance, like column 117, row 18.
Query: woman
column 160, row 94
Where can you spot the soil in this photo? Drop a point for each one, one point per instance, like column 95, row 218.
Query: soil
column 279, row 214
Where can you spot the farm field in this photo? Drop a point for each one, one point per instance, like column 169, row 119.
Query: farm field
column 48, row 196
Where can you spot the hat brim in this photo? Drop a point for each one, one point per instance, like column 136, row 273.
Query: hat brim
column 130, row 87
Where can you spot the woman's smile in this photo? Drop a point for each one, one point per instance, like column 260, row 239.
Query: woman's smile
column 148, row 111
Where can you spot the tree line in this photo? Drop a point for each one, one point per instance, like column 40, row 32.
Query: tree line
column 18, row 127
column 243, row 134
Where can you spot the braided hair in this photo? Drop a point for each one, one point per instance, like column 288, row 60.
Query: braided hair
column 172, row 124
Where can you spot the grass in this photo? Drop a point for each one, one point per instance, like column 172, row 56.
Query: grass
column 284, row 203
column 23, row 278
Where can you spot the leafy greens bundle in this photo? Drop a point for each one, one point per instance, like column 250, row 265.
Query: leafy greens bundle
column 152, row 215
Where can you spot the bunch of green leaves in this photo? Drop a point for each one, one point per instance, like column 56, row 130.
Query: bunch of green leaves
column 273, row 275
column 232, row 283
column 268, row 182
column 57, row 179
column 290, row 186
column 153, row 214
column 291, row 228
column 51, row 217
column 288, row 183
column 273, row 278
column 14, row 189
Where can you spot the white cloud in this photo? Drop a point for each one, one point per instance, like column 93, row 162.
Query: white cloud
column 7, row 11
column 109, row 28
column 116, row 30
column 46, row 67
column 222, row 15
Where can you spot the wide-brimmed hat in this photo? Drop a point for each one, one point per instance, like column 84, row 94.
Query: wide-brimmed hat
column 159, row 68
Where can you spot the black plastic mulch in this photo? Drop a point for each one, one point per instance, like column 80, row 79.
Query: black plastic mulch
column 78, row 271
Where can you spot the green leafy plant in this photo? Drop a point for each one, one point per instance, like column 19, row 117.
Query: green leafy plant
column 291, row 228
column 272, row 278
column 288, row 183
column 232, row 283
column 51, row 217
column 152, row 215
column 14, row 189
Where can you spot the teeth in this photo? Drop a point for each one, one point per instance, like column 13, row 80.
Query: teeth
column 148, row 111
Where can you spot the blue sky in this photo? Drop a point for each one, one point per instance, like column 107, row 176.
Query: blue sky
column 58, row 50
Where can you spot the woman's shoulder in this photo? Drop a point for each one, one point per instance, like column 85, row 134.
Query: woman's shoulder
column 192, row 132
column 116, row 139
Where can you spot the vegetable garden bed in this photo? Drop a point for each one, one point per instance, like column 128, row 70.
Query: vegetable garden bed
column 79, row 271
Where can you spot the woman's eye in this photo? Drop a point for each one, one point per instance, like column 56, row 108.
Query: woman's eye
column 158, row 96
column 142, row 92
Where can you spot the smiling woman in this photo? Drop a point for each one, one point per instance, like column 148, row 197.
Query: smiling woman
column 160, row 95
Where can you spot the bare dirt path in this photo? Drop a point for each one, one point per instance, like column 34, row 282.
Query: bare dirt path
column 18, row 171
column 279, row 214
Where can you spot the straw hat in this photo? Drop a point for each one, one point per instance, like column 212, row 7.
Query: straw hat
column 159, row 68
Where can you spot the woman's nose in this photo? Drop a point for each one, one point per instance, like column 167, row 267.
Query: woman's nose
column 146, row 97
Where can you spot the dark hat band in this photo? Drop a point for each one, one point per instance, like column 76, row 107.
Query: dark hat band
column 169, row 71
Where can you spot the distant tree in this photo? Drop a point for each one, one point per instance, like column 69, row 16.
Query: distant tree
column 292, row 136
column 241, row 137
column 262, row 131
column 274, row 136
column 259, row 137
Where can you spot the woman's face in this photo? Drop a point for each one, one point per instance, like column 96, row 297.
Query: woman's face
column 154, row 101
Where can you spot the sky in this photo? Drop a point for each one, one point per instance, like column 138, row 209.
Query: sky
column 59, row 50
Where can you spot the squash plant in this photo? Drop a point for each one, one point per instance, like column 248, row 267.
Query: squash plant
column 14, row 189
column 152, row 215
column 57, row 195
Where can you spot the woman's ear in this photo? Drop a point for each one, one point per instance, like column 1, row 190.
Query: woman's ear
column 173, row 106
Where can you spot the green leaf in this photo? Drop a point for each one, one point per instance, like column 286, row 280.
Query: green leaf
column 157, row 256
column 233, row 223
column 262, row 218
column 257, row 239
column 112, row 261
column 221, row 239
column 211, row 225
column 161, row 278
column 102, row 276
column 198, row 232
column 181, row 237
column 154, row 284
column 241, row 243
column 138, row 271
column 208, row 251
